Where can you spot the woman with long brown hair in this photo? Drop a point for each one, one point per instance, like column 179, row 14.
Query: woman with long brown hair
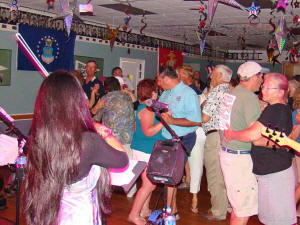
column 67, row 181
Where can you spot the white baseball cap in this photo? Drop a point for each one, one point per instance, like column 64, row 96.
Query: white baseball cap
column 248, row 69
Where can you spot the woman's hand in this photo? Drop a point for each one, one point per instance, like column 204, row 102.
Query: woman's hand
column 108, row 136
column 130, row 93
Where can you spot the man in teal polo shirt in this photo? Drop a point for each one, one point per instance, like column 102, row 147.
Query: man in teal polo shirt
column 184, row 115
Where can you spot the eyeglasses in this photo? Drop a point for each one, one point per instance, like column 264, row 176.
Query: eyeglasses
column 269, row 88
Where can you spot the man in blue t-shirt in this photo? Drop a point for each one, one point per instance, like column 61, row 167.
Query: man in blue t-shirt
column 184, row 114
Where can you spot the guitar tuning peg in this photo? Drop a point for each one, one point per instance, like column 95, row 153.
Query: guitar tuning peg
column 268, row 126
column 275, row 129
column 281, row 133
column 274, row 147
column 268, row 142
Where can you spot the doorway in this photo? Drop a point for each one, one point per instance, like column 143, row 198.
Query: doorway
column 134, row 69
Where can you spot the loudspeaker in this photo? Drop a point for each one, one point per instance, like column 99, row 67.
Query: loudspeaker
column 166, row 163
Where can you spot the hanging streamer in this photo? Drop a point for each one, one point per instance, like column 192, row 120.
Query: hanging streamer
column 143, row 21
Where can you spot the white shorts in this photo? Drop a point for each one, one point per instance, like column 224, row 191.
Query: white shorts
column 140, row 156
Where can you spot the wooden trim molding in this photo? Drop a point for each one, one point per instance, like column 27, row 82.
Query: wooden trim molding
column 22, row 116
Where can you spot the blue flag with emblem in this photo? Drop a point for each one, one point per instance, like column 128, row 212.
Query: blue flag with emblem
column 53, row 48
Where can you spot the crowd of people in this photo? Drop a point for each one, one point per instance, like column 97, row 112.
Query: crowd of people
column 83, row 126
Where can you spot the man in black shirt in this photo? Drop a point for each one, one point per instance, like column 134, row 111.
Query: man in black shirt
column 88, row 85
column 273, row 168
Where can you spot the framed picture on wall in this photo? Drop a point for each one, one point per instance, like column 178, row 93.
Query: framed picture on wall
column 5, row 67
column 80, row 61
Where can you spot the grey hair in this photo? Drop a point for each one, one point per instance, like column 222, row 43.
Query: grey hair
column 225, row 71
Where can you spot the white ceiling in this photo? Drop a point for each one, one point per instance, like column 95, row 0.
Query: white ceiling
column 174, row 20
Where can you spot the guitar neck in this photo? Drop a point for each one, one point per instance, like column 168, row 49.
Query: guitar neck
column 293, row 144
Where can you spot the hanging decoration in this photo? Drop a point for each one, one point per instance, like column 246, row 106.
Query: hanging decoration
column 295, row 19
column 143, row 21
column 13, row 7
column 202, row 20
column 295, row 4
column 281, row 5
column 127, row 19
column 280, row 33
column 127, row 28
column 275, row 59
column 273, row 26
column 50, row 4
column 253, row 11
column 202, row 43
column 201, row 33
column 111, row 35
column 200, row 9
column 68, row 13
column 68, row 22
column 212, row 6
column 293, row 54
column 270, row 50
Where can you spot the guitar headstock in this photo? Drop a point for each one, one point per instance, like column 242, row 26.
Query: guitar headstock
column 278, row 137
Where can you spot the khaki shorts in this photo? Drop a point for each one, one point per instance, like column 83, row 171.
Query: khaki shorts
column 240, row 182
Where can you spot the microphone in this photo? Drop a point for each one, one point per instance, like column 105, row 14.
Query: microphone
column 156, row 105
column 10, row 123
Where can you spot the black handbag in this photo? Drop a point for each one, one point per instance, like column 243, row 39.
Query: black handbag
column 166, row 163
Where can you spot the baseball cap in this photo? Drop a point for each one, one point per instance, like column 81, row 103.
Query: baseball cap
column 248, row 69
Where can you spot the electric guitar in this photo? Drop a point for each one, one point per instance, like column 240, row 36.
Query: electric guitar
column 280, row 138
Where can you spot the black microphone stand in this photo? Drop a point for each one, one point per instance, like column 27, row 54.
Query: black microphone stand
column 20, row 175
column 175, row 138
column 20, row 162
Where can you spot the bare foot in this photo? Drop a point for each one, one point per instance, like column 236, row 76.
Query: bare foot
column 145, row 213
column 136, row 220
column 194, row 205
